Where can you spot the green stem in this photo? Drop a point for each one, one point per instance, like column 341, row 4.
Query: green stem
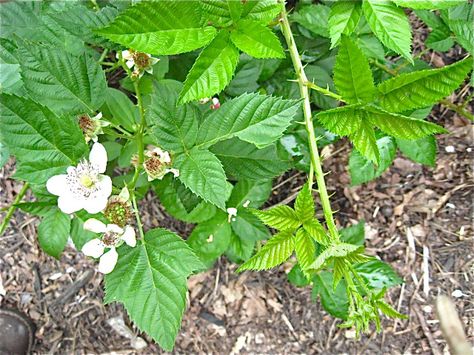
column 103, row 55
column 137, row 214
column 12, row 208
column 324, row 91
column 361, row 281
column 313, row 148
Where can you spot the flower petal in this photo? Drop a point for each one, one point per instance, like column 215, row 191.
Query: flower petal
column 130, row 63
column 95, row 205
column 57, row 185
column 105, row 186
column 108, row 261
column 69, row 204
column 114, row 228
column 129, row 236
column 94, row 248
column 94, row 225
column 98, row 157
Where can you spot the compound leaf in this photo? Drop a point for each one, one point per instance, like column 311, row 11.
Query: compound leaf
column 256, row 40
column 280, row 217
column 422, row 88
column 277, row 250
column 202, row 173
column 352, row 74
column 390, row 24
column 150, row 281
column 160, row 27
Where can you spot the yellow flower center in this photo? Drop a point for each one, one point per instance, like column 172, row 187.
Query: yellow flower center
column 86, row 181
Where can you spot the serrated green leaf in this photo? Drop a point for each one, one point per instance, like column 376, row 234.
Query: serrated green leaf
column 363, row 170
column 239, row 250
column 247, row 226
column 53, row 232
column 212, row 70
column 280, row 217
column 335, row 302
column 316, row 231
column 150, row 280
column 335, row 251
column 304, row 204
column 254, row 118
column 440, row 39
column 246, row 76
column 210, row 239
column 364, row 141
column 122, row 111
column 352, row 74
column 217, row 12
column 297, row 278
column 160, row 27
column 458, row 19
column 252, row 194
column 43, row 143
column 175, row 127
column 421, row 150
column 263, row 11
column 428, row 4
column 343, row 19
column 37, row 208
column 181, row 203
column 305, row 250
column 378, row 275
column 61, row 81
column 390, row 24
column 354, row 234
column 202, row 173
column 371, row 46
column 342, row 120
column 338, row 272
column 277, row 250
column 10, row 81
column 245, row 161
column 314, row 18
column 422, row 88
column 256, row 40
column 389, row 310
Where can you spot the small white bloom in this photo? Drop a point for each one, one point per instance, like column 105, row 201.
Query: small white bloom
column 92, row 126
column 141, row 62
column 246, row 203
column 113, row 236
column 232, row 212
column 84, row 186
column 215, row 103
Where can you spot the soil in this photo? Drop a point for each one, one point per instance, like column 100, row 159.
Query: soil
column 411, row 212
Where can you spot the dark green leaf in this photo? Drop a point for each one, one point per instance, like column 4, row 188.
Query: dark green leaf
column 53, row 232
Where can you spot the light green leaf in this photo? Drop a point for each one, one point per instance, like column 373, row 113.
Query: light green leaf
column 212, row 70
column 316, row 231
column 460, row 19
column 335, row 251
column 263, row 11
column 363, row 170
column 202, row 173
column 150, row 280
column 428, row 4
column 304, row 204
column 10, row 81
column 371, row 47
column 422, row 88
column 343, row 19
column 256, row 40
column 210, row 239
column 440, row 39
column 314, row 18
column 305, row 250
column 276, row 251
column 254, row 118
column 181, row 203
column 175, row 127
column 364, row 141
column 4, row 154
column 245, row 161
column 43, row 143
column 160, row 27
column 352, row 74
column 354, row 234
column 422, row 150
column 255, row 192
column 122, row 111
column 390, row 24
column 61, row 81
column 342, row 120
column 53, row 232
column 239, row 249
column 280, row 217
column 217, row 12
column 388, row 310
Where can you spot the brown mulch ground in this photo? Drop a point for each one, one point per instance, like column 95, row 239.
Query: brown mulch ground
column 409, row 206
